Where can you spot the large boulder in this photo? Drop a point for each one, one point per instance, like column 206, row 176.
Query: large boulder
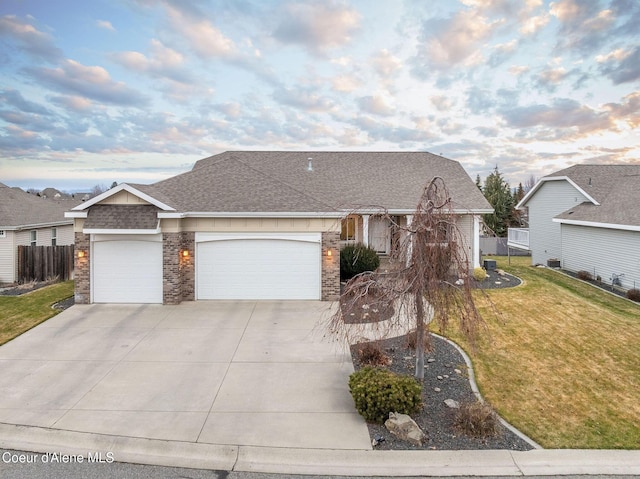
column 405, row 428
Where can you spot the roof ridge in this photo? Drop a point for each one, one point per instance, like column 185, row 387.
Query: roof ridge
column 275, row 178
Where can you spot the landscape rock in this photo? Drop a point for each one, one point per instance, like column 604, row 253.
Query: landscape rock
column 458, row 371
column 452, row 403
column 431, row 360
column 405, row 428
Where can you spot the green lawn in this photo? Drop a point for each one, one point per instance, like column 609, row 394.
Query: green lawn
column 21, row 313
column 561, row 361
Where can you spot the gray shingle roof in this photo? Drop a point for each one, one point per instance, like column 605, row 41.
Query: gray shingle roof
column 116, row 217
column 19, row 208
column 279, row 181
column 615, row 187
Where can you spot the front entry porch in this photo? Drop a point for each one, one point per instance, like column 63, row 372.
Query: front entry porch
column 381, row 233
column 384, row 233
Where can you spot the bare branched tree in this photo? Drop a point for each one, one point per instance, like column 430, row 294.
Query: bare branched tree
column 428, row 279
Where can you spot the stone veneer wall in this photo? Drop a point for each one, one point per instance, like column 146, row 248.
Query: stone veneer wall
column 330, row 266
column 82, row 269
column 187, row 267
column 171, row 280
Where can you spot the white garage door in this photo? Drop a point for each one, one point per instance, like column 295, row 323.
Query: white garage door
column 127, row 271
column 258, row 267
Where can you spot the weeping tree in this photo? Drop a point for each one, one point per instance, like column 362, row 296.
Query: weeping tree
column 428, row 279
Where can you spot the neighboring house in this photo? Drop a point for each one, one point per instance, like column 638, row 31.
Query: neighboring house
column 255, row 225
column 588, row 218
column 29, row 219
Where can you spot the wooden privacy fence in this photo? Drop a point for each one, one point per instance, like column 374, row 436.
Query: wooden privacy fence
column 40, row 263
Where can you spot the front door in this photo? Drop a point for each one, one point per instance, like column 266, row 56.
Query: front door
column 379, row 238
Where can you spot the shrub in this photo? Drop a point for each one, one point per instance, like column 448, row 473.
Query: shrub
column 356, row 259
column 412, row 339
column 479, row 274
column 476, row 420
column 376, row 392
column 370, row 354
column 584, row 275
column 634, row 294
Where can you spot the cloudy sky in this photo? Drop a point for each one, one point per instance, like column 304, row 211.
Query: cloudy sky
column 98, row 91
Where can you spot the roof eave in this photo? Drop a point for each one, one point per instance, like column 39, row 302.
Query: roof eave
column 32, row 226
column 250, row 214
column 117, row 231
column 597, row 224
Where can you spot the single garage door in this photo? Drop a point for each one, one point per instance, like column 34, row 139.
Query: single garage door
column 258, row 266
column 127, row 270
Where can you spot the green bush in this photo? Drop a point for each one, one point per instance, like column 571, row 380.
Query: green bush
column 356, row 259
column 377, row 392
column 634, row 294
column 479, row 274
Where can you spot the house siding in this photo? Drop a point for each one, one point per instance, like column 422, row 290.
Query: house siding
column 123, row 197
column 602, row 252
column 465, row 227
column 551, row 199
column 8, row 267
column 242, row 225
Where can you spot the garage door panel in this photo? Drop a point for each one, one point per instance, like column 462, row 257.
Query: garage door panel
column 258, row 269
column 127, row 272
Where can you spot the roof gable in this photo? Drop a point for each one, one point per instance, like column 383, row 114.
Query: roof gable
column 132, row 189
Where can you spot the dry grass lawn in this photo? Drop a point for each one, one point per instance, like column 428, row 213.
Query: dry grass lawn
column 561, row 361
column 21, row 313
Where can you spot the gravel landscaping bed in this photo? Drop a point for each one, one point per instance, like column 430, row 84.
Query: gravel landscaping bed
column 446, row 377
column 435, row 418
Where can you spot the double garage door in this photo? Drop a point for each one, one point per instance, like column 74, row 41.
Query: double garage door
column 258, row 266
column 128, row 269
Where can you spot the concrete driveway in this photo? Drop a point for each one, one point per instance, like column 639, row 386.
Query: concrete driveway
column 233, row 373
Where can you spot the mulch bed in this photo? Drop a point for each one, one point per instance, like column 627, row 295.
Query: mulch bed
column 19, row 289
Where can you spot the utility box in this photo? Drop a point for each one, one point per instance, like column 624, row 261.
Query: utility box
column 490, row 264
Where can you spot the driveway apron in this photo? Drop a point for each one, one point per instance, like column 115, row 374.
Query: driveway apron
column 235, row 373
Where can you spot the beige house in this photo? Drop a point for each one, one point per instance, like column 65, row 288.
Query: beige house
column 256, row 225
column 27, row 219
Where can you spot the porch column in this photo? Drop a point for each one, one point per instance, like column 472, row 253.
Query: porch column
column 476, row 241
column 410, row 245
column 365, row 229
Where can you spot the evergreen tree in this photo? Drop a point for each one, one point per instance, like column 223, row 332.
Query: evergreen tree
column 498, row 193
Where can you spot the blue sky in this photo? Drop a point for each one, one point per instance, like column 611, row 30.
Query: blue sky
column 98, row 91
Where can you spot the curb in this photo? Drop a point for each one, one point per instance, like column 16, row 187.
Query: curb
column 539, row 462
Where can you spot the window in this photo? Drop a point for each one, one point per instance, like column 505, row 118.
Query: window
column 348, row 231
column 2, row 234
column 34, row 237
column 54, row 236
